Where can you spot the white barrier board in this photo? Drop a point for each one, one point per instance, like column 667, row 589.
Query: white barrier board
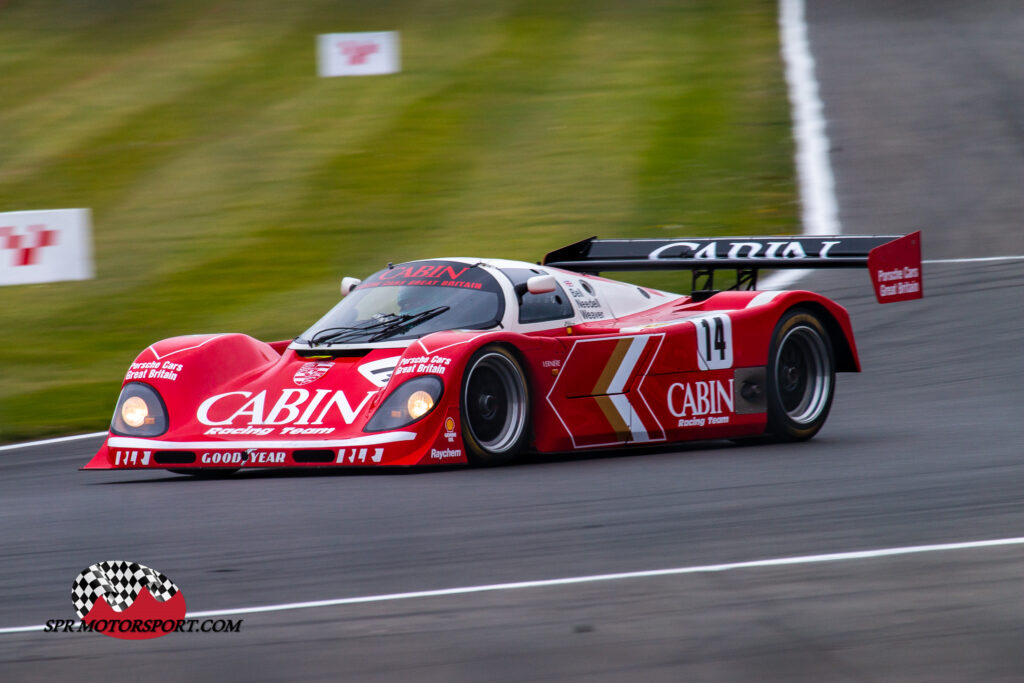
column 45, row 246
column 358, row 54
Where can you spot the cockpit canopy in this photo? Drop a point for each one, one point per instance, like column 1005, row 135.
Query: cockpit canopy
column 409, row 301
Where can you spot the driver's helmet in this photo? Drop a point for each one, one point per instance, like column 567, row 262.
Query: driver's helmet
column 415, row 298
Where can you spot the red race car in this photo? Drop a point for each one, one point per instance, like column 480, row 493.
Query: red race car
column 462, row 360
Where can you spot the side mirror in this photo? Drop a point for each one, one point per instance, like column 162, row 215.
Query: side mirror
column 348, row 284
column 541, row 284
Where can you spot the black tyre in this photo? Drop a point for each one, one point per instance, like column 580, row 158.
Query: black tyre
column 495, row 407
column 801, row 376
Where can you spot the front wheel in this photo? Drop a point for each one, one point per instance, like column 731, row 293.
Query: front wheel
column 495, row 407
column 801, row 376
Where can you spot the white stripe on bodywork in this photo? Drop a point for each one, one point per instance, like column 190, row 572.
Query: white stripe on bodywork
column 629, row 361
column 187, row 348
column 762, row 298
column 566, row 363
column 628, row 413
column 378, row 372
column 375, row 440
column 633, row 329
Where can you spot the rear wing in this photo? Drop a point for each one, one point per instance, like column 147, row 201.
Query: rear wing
column 894, row 262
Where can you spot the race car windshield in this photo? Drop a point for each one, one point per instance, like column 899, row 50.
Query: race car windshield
column 410, row 301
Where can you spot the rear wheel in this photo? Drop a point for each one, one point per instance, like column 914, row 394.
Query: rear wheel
column 801, row 376
column 495, row 407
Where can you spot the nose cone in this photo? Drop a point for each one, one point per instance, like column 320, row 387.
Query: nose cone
column 299, row 397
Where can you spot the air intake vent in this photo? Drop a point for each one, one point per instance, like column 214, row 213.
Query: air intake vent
column 174, row 457
column 313, row 455
column 335, row 353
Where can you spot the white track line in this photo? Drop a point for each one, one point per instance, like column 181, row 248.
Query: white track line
column 817, row 186
column 784, row 278
column 979, row 259
column 594, row 578
column 30, row 444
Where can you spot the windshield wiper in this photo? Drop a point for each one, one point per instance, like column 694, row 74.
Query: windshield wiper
column 387, row 325
column 334, row 334
column 406, row 322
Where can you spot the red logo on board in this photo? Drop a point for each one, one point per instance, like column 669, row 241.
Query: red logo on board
column 356, row 52
column 26, row 247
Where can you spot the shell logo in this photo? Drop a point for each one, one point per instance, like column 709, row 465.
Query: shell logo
column 449, row 424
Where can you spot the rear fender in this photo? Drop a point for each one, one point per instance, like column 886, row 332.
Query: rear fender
column 834, row 317
column 840, row 334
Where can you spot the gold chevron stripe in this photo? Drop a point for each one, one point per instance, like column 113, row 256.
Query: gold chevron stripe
column 614, row 419
column 614, row 361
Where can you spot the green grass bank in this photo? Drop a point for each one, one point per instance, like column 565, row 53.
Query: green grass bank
column 231, row 188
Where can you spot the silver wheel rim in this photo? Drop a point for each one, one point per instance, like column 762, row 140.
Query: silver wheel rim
column 495, row 402
column 803, row 374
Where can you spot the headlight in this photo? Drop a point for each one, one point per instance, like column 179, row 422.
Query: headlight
column 135, row 412
column 140, row 412
column 419, row 404
column 406, row 404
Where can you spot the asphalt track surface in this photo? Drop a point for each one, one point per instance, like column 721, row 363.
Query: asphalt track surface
column 925, row 108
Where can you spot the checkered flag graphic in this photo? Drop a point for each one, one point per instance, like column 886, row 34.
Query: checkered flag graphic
column 119, row 583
